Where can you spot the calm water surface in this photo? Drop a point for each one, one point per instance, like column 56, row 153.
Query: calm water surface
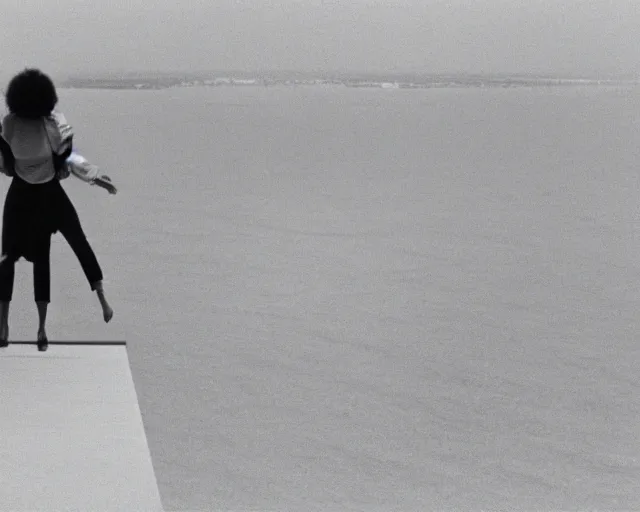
column 367, row 299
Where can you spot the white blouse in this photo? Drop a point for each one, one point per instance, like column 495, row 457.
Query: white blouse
column 33, row 141
column 31, row 148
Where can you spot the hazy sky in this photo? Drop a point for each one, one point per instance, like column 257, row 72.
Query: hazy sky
column 588, row 37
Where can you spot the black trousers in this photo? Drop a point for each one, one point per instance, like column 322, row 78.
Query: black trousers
column 72, row 231
column 31, row 214
column 41, row 274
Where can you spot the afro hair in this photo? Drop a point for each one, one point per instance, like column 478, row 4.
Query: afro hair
column 31, row 94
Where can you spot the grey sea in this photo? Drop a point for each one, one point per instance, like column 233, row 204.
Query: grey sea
column 362, row 299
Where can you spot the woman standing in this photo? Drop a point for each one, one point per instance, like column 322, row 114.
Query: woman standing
column 36, row 205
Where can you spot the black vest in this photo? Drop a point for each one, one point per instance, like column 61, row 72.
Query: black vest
column 7, row 156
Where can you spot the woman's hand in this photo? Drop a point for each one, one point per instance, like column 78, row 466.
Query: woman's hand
column 105, row 182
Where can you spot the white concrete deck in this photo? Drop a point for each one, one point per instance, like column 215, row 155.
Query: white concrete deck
column 72, row 437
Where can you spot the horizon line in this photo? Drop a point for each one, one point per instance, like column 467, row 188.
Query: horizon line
column 390, row 72
column 119, row 343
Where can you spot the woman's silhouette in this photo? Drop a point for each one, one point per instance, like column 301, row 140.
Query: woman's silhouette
column 37, row 143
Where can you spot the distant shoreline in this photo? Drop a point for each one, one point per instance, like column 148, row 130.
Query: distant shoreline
column 156, row 82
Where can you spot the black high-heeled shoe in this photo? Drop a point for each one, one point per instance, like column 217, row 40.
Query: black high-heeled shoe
column 43, row 345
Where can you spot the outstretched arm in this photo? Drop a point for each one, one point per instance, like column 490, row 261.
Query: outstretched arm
column 61, row 132
column 88, row 172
